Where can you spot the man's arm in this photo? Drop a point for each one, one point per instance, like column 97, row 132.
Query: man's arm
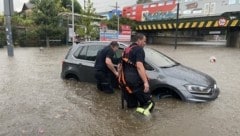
column 110, row 65
column 142, row 73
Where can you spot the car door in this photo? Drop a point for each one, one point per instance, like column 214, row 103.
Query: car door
column 89, row 61
column 79, row 59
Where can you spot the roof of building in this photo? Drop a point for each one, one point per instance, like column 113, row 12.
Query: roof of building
column 27, row 6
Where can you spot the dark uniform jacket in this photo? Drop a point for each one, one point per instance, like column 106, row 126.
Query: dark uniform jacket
column 130, row 71
column 100, row 64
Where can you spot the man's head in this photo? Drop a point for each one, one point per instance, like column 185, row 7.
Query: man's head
column 114, row 45
column 140, row 39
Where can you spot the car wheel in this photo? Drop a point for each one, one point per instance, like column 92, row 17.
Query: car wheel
column 72, row 78
column 162, row 93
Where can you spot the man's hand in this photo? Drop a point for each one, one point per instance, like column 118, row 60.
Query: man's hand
column 116, row 74
column 110, row 65
column 143, row 75
column 146, row 87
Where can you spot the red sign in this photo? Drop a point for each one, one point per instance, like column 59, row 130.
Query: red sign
column 126, row 32
column 125, row 28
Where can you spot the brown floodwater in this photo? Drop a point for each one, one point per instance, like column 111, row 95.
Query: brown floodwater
column 34, row 100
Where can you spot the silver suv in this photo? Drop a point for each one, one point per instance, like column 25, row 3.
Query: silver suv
column 166, row 76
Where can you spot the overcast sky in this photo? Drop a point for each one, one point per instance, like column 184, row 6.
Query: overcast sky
column 100, row 5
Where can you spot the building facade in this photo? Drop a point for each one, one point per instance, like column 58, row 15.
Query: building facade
column 198, row 20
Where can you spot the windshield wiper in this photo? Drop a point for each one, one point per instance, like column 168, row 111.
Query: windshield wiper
column 170, row 65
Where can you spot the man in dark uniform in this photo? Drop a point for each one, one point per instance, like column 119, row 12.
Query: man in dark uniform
column 104, row 68
column 136, row 90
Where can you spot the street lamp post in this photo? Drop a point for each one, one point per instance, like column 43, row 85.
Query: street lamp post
column 8, row 12
column 177, row 22
column 117, row 18
column 67, row 38
column 73, row 38
column 117, row 14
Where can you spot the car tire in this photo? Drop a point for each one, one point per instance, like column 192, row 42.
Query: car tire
column 72, row 78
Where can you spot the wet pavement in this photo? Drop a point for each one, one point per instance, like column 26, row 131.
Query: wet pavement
column 34, row 100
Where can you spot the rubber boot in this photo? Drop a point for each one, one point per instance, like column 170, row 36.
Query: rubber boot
column 146, row 111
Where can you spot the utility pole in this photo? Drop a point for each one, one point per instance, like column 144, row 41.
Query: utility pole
column 117, row 14
column 84, row 4
column 8, row 12
column 67, row 37
column 177, row 22
column 73, row 38
column 117, row 17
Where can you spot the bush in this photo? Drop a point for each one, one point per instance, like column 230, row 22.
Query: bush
column 2, row 39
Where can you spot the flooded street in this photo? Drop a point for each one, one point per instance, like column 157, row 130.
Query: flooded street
column 34, row 100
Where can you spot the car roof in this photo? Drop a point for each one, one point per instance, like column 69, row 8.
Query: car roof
column 101, row 43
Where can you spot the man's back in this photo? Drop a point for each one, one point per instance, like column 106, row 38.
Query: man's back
column 101, row 56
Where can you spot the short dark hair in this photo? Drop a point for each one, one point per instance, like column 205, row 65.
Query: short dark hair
column 114, row 44
column 138, row 36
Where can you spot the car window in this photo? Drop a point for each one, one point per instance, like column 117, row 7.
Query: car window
column 117, row 56
column 92, row 52
column 158, row 58
column 68, row 53
column 118, row 53
column 77, row 52
column 82, row 53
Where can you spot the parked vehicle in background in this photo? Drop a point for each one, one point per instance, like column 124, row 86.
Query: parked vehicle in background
column 166, row 76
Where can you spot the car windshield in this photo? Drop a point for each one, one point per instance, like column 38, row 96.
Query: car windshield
column 159, row 59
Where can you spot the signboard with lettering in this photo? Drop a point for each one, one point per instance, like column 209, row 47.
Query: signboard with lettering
column 113, row 35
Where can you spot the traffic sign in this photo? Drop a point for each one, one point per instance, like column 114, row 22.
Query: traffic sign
column 222, row 21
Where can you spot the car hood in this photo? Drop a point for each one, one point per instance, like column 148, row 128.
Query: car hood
column 189, row 75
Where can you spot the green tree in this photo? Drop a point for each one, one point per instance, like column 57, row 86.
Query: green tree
column 20, row 24
column 127, row 21
column 45, row 16
column 143, row 1
column 1, row 20
column 67, row 4
column 86, row 27
column 112, row 23
column 22, row 20
column 2, row 33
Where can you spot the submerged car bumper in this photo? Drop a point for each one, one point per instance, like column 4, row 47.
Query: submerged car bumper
column 204, row 97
